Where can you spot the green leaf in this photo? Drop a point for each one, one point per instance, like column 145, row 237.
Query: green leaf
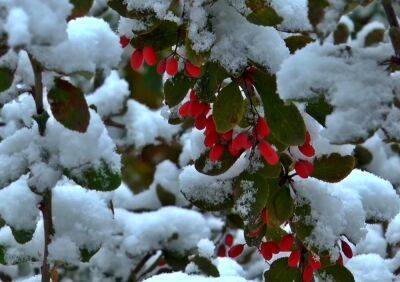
column 164, row 35
column 274, row 233
column 101, row 178
column 341, row 34
column 301, row 224
column 281, row 272
column 362, row 155
column 69, row 106
column 22, row 236
column 2, row 255
column 210, row 81
column 316, row 11
column 374, row 37
column 166, row 198
column 254, row 241
column 319, row 109
column 253, row 194
column 336, row 273
column 120, row 6
column 206, row 266
column 228, row 110
column 265, row 16
column 7, row 77
column 176, row 88
column 285, row 120
column 205, row 166
column 86, row 255
column 333, row 168
column 296, row 42
column 175, row 260
column 281, row 208
column 81, row 8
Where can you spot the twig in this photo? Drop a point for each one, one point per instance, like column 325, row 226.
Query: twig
column 394, row 31
column 48, row 232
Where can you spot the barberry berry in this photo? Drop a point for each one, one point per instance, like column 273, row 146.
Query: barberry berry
column 216, row 153
column 294, row 259
column 149, row 56
column 171, row 66
column 124, row 41
column 161, row 66
column 268, row 153
column 304, row 169
column 192, row 70
column 236, row 251
column 137, row 59
column 286, row 243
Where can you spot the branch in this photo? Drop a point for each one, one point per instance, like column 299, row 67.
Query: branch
column 45, row 207
column 394, row 31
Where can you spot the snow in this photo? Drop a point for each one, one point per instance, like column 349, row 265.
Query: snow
column 91, row 45
column 238, row 41
column 17, row 26
column 110, row 97
column 181, row 277
column 145, row 126
column 374, row 241
column 335, row 72
column 369, row 268
column 393, row 230
column 294, row 14
column 206, row 248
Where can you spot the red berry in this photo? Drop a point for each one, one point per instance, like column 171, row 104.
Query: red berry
column 172, row 66
column 210, row 125
column 211, row 139
column 265, row 251
column 161, row 66
column 197, row 108
column 227, row 136
column 340, row 260
column 264, row 216
column 236, row 251
column 192, row 70
column 124, row 41
column 201, row 122
column 314, row 263
column 137, row 59
column 255, row 233
column 268, row 153
column 347, row 250
column 262, row 128
column 161, row 262
column 193, row 96
column 294, row 259
column 286, row 243
column 221, row 251
column 304, row 169
column 308, row 138
column 233, row 151
column 307, row 150
column 273, row 247
column 241, row 141
column 184, row 110
column 216, row 153
column 229, row 240
column 308, row 274
column 150, row 56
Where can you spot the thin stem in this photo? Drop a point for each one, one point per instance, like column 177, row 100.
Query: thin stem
column 48, row 232
column 394, row 25
column 37, row 91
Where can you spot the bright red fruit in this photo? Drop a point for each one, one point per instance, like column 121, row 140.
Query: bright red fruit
column 161, row 262
column 211, row 139
column 286, row 243
column 221, row 251
column 137, row 59
column 308, row 138
column 268, row 153
column 210, row 125
column 233, row 151
column 262, row 128
column 304, row 169
column 216, row 153
column 236, row 251
column 347, row 250
column 184, row 110
column 340, row 260
column 265, row 251
column 197, row 108
column 264, row 216
column 149, row 56
column 308, row 274
column 294, row 259
column 273, row 247
column 314, row 263
column 241, row 141
column 161, row 66
column 227, row 136
column 124, row 41
column 307, row 150
column 229, row 240
column 192, row 70
column 193, row 96
column 172, row 66
column 201, row 122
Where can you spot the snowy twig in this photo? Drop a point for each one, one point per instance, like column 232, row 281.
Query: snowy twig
column 394, row 25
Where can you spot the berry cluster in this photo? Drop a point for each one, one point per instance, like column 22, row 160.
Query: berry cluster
column 304, row 168
column 168, row 65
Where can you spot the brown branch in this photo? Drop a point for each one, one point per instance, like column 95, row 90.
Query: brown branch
column 394, row 31
column 48, row 232
column 37, row 91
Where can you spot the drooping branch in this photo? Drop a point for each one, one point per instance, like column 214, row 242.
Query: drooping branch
column 394, row 31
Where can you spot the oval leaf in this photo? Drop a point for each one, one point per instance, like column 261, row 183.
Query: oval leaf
column 279, row 272
column 333, row 168
column 176, row 88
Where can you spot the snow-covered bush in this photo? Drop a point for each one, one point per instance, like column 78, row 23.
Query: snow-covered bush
column 274, row 156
